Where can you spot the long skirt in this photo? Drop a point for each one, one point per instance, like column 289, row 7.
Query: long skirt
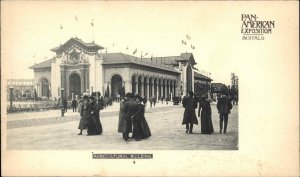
column 83, row 123
column 206, row 124
column 94, row 127
column 145, row 129
column 141, row 129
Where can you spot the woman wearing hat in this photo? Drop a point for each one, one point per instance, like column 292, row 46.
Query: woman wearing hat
column 94, row 127
column 206, row 122
column 141, row 129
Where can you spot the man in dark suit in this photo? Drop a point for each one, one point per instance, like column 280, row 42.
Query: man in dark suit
column 189, row 117
column 74, row 105
column 129, row 109
column 224, row 106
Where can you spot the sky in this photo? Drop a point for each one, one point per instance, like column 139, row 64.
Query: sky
column 31, row 29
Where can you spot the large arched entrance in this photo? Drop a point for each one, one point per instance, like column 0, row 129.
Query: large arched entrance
column 116, row 85
column 44, row 87
column 74, row 84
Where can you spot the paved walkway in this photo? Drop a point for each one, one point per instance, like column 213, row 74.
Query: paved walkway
column 165, row 124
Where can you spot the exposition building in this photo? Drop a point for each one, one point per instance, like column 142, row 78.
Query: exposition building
column 80, row 67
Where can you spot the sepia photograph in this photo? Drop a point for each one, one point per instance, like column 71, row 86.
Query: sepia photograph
column 149, row 83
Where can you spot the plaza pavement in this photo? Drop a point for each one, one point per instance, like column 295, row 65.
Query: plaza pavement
column 49, row 131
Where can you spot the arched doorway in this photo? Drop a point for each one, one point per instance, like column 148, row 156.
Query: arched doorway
column 44, row 87
column 189, row 86
column 116, row 85
column 74, row 84
column 17, row 94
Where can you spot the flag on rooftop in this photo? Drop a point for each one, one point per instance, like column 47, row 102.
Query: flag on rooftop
column 92, row 22
column 134, row 52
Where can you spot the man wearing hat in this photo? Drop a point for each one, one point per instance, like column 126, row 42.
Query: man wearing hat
column 129, row 109
column 189, row 117
column 224, row 106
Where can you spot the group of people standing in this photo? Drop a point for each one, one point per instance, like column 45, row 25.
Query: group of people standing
column 204, row 112
column 89, row 116
column 132, row 118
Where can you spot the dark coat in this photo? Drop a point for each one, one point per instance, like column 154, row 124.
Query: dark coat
column 74, row 103
column 130, row 109
column 85, row 112
column 224, row 105
column 122, row 118
column 94, row 126
column 206, row 122
column 141, row 129
column 190, row 104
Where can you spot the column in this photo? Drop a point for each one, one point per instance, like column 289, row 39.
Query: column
column 110, row 88
column 142, row 89
column 148, row 89
column 152, row 88
column 136, row 87
column 161, row 89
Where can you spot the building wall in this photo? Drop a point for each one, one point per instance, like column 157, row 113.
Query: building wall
column 38, row 75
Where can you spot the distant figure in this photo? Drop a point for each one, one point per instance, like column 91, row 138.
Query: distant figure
column 65, row 104
column 150, row 100
column 189, row 117
column 85, row 112
column 206, row 122
column 74, row 105
column 224, row 106
column 162, row 100
column 154, row 101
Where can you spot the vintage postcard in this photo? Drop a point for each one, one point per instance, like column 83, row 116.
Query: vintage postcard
column 150, row 88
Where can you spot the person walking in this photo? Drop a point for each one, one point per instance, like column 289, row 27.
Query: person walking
column 122, row 126
column 224, row 106
column 206, row 122
column 129, row 109
column 189, row 117
column 94, row 125
column 154, row 101
column 74, row 105
column 85, row 112
column 65, row 104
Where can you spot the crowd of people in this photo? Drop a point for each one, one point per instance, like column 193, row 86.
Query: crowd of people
column 132, row 115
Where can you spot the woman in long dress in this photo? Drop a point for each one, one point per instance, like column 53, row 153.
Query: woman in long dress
column 206, row 122
column 94, row 127
column 141, row 128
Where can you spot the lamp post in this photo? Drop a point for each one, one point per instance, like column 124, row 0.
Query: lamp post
column 11, row 88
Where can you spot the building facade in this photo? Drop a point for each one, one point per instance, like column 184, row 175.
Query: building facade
column 22, row 88
column 80, row 67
